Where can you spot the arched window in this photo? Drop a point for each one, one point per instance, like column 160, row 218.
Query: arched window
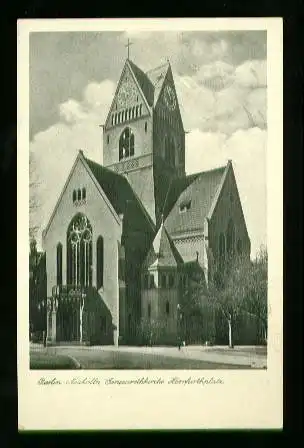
column 172, row 152
column 152, row 282
column 74, row 196
column 146, row 281
column 146, row 126
column 149, row 310
column 59, row 264
column 230, row 238
column 167, row 308
column 123, row 116
column 99, row 260
column 84, row 194
column 137, row 111
column 239, row 247
column 133, row 112
column 108, row 139
column 79, row 194
column 126, row 144
column 221, row 250
column 79, row 251
column 167, row 149
column 140, row 109
column 129, row 113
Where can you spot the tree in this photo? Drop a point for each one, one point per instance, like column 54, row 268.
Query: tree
column 255, row 290
column 34, row 204
column 225, row 291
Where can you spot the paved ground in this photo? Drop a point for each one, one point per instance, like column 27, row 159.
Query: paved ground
column 190, row 357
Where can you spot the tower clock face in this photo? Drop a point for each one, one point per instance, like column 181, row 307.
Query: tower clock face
column 127, row 94
column 170, row 98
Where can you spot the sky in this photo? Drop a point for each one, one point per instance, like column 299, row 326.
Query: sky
column 220, row 78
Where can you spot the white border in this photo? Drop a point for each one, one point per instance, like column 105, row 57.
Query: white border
column 247, row 399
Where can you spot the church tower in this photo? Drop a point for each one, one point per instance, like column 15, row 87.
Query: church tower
column 143, row 136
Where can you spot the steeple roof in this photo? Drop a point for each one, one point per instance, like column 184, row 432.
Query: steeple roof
column 163, row 252
column 150, row 82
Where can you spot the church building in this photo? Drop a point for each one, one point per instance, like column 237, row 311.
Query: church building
column 123, row 236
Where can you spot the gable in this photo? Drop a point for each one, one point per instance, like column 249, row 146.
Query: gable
column 129, row 101
column 80, row 178
column 190, row 200
column 228, row 206
column 167, row 100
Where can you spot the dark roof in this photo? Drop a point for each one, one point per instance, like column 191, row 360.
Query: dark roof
column 198, row 188
column 157, row 76
column 163, row 252
column 150, row 82
column 144, row 82
column 115, row 186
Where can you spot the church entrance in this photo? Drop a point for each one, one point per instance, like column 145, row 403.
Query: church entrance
column 68, row 320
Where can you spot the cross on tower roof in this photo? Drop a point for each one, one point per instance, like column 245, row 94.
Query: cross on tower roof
column 128, row 46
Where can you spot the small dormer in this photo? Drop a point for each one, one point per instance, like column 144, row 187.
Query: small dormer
column 185, row 205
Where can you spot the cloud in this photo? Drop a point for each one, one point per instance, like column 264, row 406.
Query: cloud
column 247, row 150
column 55, row 149
column 219, row 130
column 222, row 98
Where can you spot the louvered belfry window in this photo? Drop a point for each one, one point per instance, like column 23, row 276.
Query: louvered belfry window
column 126, row 144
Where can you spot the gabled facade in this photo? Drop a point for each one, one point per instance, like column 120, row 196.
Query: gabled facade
column 123, row 237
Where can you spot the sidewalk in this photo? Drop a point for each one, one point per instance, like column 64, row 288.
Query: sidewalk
column 248, row 356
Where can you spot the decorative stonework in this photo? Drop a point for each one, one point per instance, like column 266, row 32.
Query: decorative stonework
column 132, row 164
column 80, row 203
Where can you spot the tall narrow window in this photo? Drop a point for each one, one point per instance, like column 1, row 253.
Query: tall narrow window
column 79, row 194
column 146, row 126
column 84, row 194
column 149, row 310
column 163, row 281
column 222, row 249
column 239, row 247
column 146, row 281
column 167, row 308
column 140, row 109
column 100, row 263
column 79, row 251
column 171, row 281
column 230, row 238
column 74, row 196
column 126, row 144
column 152, row 282
column 59, row 264
column 108, row 139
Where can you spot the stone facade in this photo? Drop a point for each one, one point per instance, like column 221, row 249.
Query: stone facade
column 148, row 225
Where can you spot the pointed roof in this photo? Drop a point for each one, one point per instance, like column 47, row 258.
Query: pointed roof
column 197, row 194
column 157, row 76
column 143, row 81
column 163, row 252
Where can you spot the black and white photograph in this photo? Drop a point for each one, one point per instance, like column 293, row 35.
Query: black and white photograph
column 148, row 242
column 149, row 199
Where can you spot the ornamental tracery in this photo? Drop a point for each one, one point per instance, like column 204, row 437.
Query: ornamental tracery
column 79, row 251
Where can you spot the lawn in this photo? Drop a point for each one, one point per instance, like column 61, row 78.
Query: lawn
column 90, row 359
column 47, row 361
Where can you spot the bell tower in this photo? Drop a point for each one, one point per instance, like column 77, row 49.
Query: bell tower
column 143, row 136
